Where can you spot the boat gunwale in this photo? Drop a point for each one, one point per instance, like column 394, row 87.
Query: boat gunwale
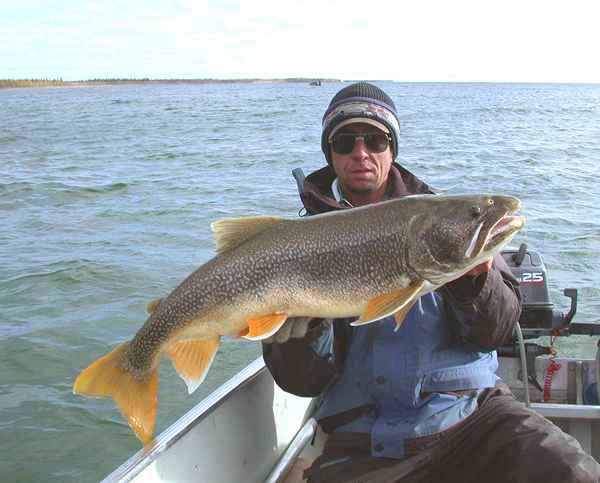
column 149, row 453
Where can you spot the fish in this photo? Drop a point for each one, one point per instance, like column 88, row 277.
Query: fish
column 367, row 262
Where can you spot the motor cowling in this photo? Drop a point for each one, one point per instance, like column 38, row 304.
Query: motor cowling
column 538, row 316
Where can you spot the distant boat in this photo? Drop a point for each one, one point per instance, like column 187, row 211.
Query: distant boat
column 315, row 83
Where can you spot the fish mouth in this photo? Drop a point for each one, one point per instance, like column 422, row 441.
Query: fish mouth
column 504, row 230
column 490, row 234
column 500, row 233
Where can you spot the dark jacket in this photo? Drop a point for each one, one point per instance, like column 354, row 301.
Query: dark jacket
column 483, row 312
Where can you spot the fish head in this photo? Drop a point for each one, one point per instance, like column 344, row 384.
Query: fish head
column 456, row 233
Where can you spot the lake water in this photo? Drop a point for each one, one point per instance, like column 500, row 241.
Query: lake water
column 107, row 193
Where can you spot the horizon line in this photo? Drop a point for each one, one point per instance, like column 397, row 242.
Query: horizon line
column 100, row 80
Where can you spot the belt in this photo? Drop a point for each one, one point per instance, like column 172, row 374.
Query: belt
column 413, row 446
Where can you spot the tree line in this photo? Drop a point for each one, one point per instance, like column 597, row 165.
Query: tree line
column 31, row 82
column 7, row 83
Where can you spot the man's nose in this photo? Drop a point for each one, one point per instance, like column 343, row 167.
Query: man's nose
column 360, row 148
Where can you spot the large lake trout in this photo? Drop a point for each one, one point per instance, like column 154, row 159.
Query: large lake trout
column 368, row 262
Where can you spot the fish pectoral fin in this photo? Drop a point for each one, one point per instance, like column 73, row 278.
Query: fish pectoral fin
column 232, row 232
column 192, row 359
column 151, row 306
column 260, row 328
column 401, row 314
column 388, row 303
column 136, row 397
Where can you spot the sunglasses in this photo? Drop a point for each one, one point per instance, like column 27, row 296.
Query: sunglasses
column 376, row 142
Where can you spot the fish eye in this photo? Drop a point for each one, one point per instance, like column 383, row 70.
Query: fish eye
column 475, row 211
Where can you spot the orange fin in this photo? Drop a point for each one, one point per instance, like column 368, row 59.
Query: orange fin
column 136, row 397
column 386, row 304
column 232, row 232
column 262, row 327
column 192, row 359
column 401, row 314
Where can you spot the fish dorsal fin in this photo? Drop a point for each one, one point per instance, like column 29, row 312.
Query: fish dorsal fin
column 232, row 232
column 192, row 359
column 388, row 303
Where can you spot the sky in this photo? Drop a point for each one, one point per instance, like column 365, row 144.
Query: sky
column 401, row 40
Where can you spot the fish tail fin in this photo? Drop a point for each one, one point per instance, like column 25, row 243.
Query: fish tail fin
column 136, row 397
column 192, row 359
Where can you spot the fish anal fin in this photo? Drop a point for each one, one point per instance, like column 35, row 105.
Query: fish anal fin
column 151, row 306
column 232, row 232
column 192, row 359
column 135, row 396
column 262, row 327
column 388, row 303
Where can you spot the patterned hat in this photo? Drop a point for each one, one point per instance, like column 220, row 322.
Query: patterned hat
column 361, row 102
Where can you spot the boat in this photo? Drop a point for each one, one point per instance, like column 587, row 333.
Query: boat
column 251, row 430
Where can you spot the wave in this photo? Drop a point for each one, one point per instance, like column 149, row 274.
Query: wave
column 536, row 110
column 162, row 156
column 64, row 273
column 59, row 189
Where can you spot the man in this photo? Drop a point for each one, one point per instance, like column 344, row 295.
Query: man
column 423, row 403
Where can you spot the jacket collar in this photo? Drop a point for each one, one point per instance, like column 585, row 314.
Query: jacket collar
column 318, row 197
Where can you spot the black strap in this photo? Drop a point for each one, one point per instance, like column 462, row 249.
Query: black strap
column 341, row 341
column 299, row 177
column 331, row 423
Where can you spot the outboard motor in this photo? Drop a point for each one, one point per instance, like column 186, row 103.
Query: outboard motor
column 539, row 317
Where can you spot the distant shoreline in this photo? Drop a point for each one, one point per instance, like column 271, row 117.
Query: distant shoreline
column 24, row 83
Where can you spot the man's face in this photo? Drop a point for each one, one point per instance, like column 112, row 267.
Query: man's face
column 362, row 173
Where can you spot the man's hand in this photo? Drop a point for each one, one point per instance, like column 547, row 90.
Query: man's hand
column 484, row 267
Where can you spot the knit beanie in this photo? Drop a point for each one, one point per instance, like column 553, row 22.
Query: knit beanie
column 360, row 102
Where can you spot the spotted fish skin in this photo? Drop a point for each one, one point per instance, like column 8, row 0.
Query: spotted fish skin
column 369, row 262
